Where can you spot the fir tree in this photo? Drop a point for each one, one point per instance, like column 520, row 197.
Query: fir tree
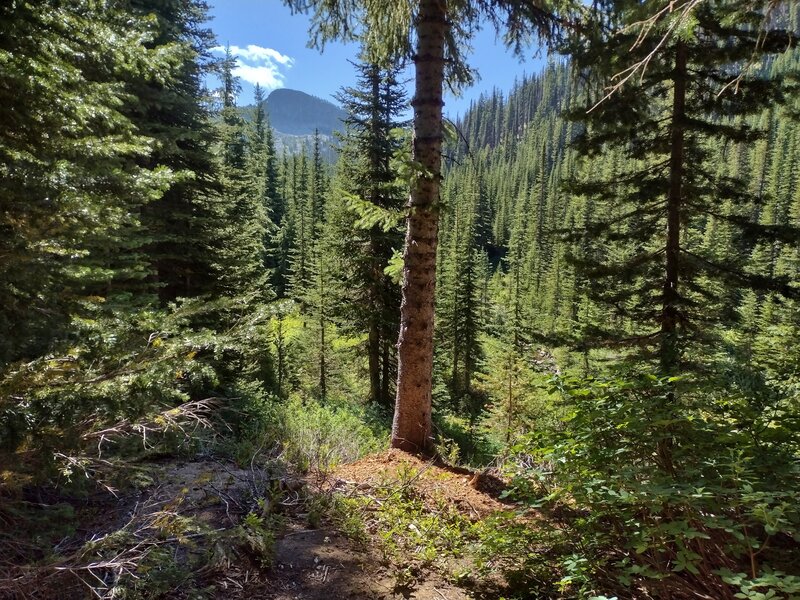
column 659, row 199
column 75, row 167
column 667, row 187
column 240, row 242
column 181, row 224
column 368, row 301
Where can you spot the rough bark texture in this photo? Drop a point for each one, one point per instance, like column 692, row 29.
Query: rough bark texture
column 411, row 428
column 670, row 314
column 670, row 351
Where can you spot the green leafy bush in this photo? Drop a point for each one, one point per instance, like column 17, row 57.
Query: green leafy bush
column 318, row 436
column 118, row 370
column 676, row 494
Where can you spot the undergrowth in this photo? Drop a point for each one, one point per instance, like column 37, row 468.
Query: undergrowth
column 720, row 519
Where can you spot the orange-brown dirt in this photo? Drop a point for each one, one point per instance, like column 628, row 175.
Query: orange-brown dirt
column 475, row 494
column 307, row 563
column 320, row 564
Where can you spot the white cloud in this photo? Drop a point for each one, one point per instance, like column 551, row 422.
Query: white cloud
column 259, row 53
column 268, row 77
column 256, row 64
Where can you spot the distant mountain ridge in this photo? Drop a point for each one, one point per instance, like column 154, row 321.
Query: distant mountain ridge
column 297, row 113
column 295, row 116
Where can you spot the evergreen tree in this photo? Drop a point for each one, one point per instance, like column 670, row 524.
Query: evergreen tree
column 316, row 298
column 74, row 167
column 182, row 224
column 368, row 301
column 657, row 202
column 462, row 279
column 440, row 33
column 240, row 242
column 667, row 186
column 301, row 220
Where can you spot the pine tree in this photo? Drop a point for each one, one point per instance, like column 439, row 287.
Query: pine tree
column 183, row 222
column 240, row 242
column 666, row 185
column 368, row 300
column 316, row 298
column 462, row 279
column 263, row 178
column 438, row 30
column 75, row 173
column 301, row 221
column 318, row 184
column 659, row 199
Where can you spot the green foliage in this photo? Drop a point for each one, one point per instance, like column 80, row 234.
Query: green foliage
column 71, row 178
column 670, row 229
column 416, row 532
column 730, row 502
column 523, row 551
column 365, row 210
column 124, row 369
column 320, row 436
column 256, row 536
column 140, row 226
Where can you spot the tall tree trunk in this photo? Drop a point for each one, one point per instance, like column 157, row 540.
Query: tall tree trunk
column 411, row 428
column 373, row 351
column 670, row 313
column 386, row 369
column 670, row 350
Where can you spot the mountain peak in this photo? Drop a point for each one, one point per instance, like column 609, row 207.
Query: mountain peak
column 297, row 113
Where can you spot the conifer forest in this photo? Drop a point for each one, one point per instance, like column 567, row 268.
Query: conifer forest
column 548, row 348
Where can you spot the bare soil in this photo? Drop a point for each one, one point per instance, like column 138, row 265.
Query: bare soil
column 306, row 564
column 475, row 494
column 321, row 565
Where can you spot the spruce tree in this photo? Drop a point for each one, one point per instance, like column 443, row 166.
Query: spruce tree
column 651, row 212
column 368, row 301
column 665, row 190
column 75, row 173
column 433, row 33
column 239, row 244
column 182, row 223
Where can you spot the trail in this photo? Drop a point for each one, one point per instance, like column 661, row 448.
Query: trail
column 206, row 528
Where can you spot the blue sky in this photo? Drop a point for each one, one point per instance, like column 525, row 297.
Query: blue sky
column 271, row 44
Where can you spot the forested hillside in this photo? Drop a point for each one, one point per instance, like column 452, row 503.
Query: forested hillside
column 583, row 352
column 298, row 113
column 297, row 117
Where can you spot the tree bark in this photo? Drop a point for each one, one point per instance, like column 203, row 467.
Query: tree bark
column 411, row 428
column 670, row 312
column 670, row 349
column 373, row 351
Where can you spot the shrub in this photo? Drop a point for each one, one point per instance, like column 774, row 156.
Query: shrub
column 719, row 516
column 320, row 436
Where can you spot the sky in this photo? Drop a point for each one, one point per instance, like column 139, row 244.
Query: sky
column 271, row 46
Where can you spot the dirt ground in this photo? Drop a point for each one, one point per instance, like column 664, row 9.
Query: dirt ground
column 475, row 494
column 321, row 565
column 305, row 563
